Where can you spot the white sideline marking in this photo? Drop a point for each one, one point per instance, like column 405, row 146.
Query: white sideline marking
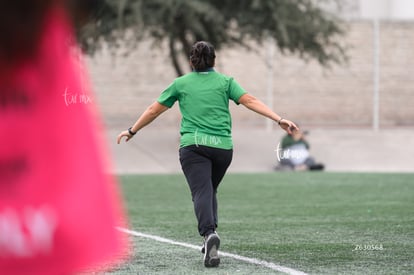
column 269, row 265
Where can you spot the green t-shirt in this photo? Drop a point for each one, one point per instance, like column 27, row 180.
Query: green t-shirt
column 204, row 104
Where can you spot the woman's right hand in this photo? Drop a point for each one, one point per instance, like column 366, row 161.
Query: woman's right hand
column 124, row 134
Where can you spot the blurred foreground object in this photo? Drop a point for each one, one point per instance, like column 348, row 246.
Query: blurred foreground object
column 58, row 207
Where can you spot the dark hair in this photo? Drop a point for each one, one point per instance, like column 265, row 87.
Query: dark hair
column 21, row 23
column 202, row 56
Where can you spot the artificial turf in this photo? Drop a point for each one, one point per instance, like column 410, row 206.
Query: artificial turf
column 318, row 223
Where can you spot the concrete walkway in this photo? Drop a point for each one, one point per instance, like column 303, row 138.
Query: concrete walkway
column 155, row 150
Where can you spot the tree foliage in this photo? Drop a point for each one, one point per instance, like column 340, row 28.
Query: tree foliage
column 298, row 26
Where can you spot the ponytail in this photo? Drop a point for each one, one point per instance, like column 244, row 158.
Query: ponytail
column 202, row 56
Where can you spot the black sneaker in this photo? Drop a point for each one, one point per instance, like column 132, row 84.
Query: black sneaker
column 203, row 247
column 211, row 246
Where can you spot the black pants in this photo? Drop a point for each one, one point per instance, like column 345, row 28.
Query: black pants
column 204, row 168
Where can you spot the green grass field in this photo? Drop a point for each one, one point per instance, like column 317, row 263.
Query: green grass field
column 318, row 223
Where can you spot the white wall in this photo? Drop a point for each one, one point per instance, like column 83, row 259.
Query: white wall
column 387, row 9
column 374, row 8
column 403, row 9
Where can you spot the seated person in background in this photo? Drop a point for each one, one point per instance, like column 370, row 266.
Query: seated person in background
column 294, row 153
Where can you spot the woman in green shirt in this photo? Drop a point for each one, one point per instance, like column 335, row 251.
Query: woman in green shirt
column 206, row 146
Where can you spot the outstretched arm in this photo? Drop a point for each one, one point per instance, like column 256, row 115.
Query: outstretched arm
column 259, row 107
column 149, row 115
